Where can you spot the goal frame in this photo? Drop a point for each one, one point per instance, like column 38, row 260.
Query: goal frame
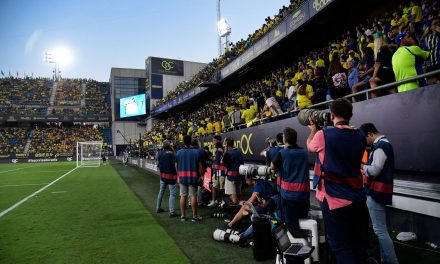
column 94, row 161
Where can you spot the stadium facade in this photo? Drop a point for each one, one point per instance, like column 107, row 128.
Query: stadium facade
column 161, row 76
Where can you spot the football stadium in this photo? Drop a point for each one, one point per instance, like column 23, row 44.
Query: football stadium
column 307, row 141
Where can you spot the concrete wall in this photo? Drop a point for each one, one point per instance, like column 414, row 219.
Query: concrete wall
column 130, row 130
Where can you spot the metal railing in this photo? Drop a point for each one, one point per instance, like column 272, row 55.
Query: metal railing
column 295, row 112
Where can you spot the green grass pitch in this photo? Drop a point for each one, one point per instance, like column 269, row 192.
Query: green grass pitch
column 89, row 216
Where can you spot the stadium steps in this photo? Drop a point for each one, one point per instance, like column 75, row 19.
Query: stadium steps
column 83, row 95
column 54, row 92
column 28, row 142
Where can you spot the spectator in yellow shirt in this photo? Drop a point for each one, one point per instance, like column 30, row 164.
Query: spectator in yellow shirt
column 209, row 127
column 218, row 126
column 305, row 94
column 248, row 115
column 417, row 17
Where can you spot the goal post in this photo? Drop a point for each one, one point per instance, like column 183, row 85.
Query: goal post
column 88, row 154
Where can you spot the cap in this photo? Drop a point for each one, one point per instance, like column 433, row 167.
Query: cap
column 399, row 38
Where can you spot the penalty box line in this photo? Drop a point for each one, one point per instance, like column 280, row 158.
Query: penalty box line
column 35, row 193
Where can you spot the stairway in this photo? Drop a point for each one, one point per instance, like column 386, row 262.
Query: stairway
column 83, row 95
column 54, row 92
column 28, row 142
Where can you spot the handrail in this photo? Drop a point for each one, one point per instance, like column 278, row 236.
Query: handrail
column 381, row 87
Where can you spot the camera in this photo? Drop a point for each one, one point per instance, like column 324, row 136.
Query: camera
column 319, row 118
column 256, row 172
column 226, row 236
column 271, row 142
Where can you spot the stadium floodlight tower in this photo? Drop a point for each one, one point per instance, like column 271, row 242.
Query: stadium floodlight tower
column 88, row 154
column 50, row 57
column 224, row 31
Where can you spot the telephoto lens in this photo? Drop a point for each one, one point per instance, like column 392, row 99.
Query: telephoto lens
column 247, row 170
column 319, row 118
column 226, row 236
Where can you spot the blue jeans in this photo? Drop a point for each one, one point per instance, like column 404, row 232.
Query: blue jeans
column 172, row 188
column 379, row 221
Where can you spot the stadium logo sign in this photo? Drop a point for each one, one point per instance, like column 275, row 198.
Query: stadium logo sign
column 14, row 160
column 244, row 144
column 167, row 65
column 319, row 4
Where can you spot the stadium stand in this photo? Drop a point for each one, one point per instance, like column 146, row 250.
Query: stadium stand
column 327, row 72
column 233, row 51
column 13, row 140
column 62, row 139
column 68, row 92
column 43, row 97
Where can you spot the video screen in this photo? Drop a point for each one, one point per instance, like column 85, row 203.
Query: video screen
column 132, row 106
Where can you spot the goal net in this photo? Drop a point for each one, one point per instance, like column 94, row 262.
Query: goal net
column 88, row 154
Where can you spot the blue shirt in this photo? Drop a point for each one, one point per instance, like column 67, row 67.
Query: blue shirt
column 263, row 188
column 353, row 77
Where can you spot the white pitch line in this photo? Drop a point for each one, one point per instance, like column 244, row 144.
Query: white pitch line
column 35, row 193
column 19, row 185
column 18, row 169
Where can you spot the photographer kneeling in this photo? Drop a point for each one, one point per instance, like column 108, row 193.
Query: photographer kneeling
column 292, row 163
column 261, row 193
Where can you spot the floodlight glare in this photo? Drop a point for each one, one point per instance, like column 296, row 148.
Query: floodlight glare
column 62, row 56
column 223, row 28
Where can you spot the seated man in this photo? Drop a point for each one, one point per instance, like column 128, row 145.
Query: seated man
column 261, row 193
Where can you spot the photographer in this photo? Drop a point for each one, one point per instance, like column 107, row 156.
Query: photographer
column 339, row 183
column 168, row 176
column 271, row 154
column 379, row 171
column 261, row 192
column 232, row 160
column 190, row 171
column 219, row 172
column 292, row 162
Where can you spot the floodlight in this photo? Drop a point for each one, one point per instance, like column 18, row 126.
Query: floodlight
column 223, row 28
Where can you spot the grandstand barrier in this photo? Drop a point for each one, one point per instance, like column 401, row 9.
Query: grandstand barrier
column 409, row 120
column 14, row 118
column 178, row 100
column 47, row 155
column 37, row 160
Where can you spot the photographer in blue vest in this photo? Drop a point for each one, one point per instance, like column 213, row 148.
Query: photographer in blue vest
column 379, row 172
column 168, row 176
column 232, row 159
column 272, row 152
column 190, row 171
column 339, row 185
column 292, row 164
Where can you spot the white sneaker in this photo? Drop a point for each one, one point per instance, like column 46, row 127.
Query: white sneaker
column 212, row 203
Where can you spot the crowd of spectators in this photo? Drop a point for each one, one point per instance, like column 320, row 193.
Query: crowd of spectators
column 13, row 140
column 361, row 58
column 97, row 99
column 73, row 97
column 62, row 139
column 27, row 96
column 232, row 51
column 68, row 92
